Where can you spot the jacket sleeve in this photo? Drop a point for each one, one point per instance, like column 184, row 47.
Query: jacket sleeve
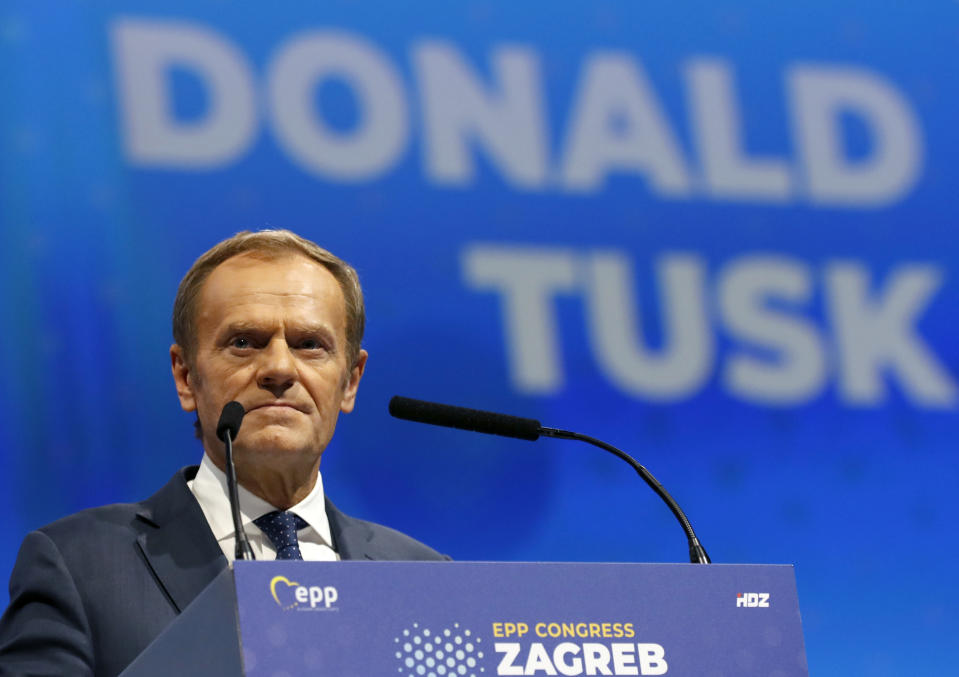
column 45, row 630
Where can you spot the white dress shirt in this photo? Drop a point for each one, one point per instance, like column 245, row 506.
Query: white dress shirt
column 209, row 488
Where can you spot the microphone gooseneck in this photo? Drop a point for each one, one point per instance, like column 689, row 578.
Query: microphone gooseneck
column 227, row 429
column 697, row 554
column 530, row 429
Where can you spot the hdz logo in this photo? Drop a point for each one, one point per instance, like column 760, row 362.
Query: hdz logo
column 291, row 595
column 752, row 599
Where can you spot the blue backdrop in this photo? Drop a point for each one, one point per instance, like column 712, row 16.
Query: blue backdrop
column 717, row 235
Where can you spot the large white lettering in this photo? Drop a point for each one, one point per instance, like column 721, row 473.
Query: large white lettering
column 779, row 353
column 683, row 364
column 799, row 371
column 875, row 335
column 527, row 281
column 590, row 658
column 729, row 173
column 820, row 95
column 616, row 126
column 144, row 52
column 376, row 142
column 508, row 123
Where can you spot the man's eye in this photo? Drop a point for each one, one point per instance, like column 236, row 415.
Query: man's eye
column 240, row 342
column 311, row 344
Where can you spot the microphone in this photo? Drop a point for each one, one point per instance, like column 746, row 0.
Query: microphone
column 476, row 420
column 227, row 429
column 464, row 419
column 230, row 420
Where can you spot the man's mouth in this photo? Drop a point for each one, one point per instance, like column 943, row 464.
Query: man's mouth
column 276, row 406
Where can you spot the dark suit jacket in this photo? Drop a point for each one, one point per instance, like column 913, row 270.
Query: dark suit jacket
column 89, row 592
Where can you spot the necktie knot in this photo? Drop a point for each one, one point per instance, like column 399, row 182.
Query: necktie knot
column 280, row 526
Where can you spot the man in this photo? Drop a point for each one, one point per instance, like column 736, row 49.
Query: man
column 274, row 322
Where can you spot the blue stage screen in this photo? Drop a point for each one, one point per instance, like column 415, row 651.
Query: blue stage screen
column 716, row 235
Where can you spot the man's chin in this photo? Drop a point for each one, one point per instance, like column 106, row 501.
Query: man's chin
column 275, row 440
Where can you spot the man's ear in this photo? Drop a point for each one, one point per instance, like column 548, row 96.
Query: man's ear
column 182, row 378
column 353, row 384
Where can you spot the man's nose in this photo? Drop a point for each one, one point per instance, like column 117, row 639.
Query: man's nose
column 277, row 368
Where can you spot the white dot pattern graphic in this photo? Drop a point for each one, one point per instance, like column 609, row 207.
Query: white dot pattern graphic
column 451, row 652
column 280, row 526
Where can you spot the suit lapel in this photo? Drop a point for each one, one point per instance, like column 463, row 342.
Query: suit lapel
column 177, row 542
column 352, row 539
column 179, row 547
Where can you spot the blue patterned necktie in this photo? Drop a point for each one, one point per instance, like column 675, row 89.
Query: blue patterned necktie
column 280, row 527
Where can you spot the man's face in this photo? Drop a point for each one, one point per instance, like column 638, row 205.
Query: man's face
column 272, row 336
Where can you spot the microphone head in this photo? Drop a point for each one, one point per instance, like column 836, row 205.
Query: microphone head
column 465, row 419
column 230, row 420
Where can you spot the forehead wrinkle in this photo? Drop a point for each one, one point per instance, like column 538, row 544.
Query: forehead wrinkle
column 271, row 323
column 266, row 300
column 287, row 296
column 234, row 298
column 281, row 278
column 310, row 296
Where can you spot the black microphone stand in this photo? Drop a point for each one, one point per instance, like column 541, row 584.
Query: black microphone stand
column 243, row 549
column 530, row 429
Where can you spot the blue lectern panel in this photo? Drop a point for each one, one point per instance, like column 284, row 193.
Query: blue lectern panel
column 485, row 619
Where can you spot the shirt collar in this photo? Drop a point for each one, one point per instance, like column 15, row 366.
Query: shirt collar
column 210, row 489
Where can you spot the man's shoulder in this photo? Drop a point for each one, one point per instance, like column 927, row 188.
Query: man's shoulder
column 354, row 538
column 361, row 539
column 112, row 516
column 117, row 518
column 95, row 587
column 398, row 542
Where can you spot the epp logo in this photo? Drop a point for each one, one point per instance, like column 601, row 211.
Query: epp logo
column 291, row 595
column 752, row 599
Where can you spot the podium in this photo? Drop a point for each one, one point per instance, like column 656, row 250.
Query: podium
column 482, row 619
